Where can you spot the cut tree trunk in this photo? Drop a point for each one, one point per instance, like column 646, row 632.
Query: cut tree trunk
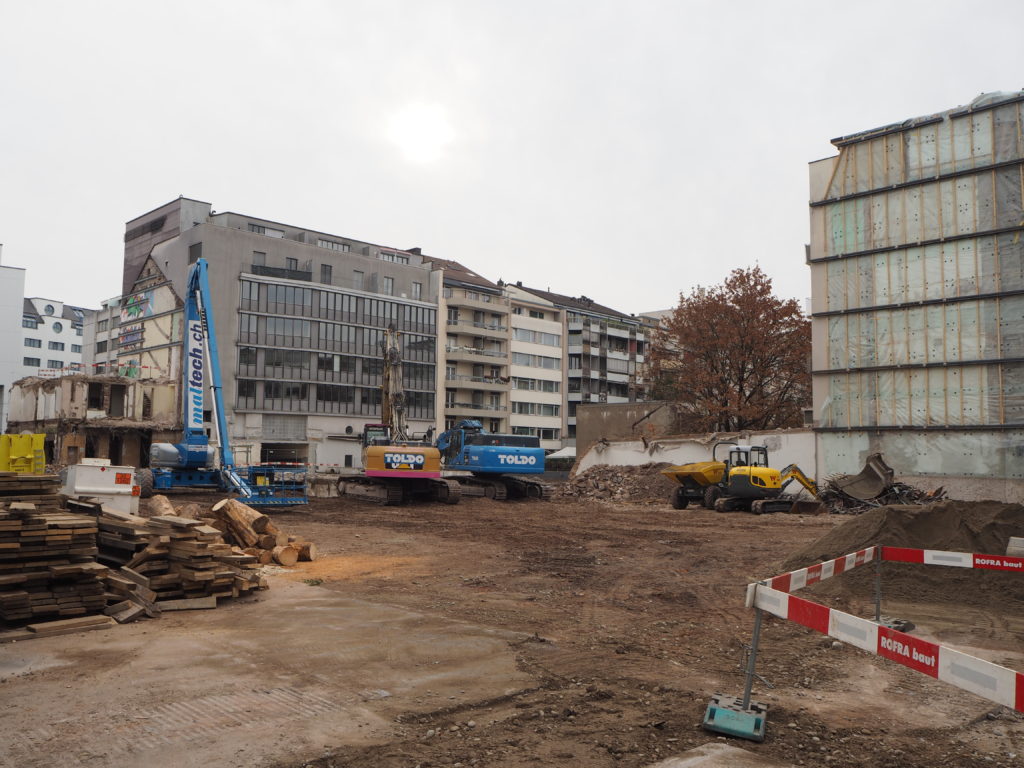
column 161, row 505
column 240, row 519
column 307, row 551
column 287, row 556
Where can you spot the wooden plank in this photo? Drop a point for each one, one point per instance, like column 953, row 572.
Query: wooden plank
column 188, row 604
column 84, row 621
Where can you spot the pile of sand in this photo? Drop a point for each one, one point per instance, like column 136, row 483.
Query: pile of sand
column 955, row 526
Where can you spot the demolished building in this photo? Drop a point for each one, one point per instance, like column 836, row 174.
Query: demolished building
column 110, row 417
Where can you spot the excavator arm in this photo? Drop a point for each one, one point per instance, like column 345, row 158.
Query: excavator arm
column 793, row 472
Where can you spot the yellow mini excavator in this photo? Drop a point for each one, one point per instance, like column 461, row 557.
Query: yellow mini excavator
column 740, row 481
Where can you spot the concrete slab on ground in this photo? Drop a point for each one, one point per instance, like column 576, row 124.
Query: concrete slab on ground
column 298, row 670
column 715, row 754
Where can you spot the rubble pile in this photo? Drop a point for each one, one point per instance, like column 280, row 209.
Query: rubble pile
column 842, row 503
column 643, row 483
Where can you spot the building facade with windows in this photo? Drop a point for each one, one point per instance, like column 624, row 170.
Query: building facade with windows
column 604, row 354
column 299, row 316
column 917, row 266
column 537, row 397
column 476, row 348
column 52, row 338
column 12, row 350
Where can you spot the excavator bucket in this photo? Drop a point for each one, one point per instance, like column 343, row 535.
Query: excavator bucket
column 870, row 482
column 808, row 507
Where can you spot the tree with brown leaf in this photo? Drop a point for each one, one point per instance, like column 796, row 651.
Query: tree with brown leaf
column 734, row 357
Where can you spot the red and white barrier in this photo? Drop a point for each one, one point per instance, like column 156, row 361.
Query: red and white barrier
column 991, row 681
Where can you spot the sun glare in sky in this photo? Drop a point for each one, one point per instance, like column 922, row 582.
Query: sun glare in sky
column 421, row 131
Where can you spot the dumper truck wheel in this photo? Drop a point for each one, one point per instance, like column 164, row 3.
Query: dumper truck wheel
column 679, row 500
column 145, row 479
column 711, row 494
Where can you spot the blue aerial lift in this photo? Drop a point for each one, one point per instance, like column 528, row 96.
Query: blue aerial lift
column 498, row 464
column 190, row 464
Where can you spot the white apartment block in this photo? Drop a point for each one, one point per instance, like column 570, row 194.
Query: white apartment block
column 537, row 369
column 51, row 338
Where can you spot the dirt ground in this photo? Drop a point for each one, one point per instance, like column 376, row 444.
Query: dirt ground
column 565, row 633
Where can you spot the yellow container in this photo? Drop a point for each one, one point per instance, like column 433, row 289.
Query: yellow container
column 23, row 454
column 702, row 472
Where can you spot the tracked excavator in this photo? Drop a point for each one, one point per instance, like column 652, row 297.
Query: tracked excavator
column 742, row 480
column 396, row 467
column 493, row 465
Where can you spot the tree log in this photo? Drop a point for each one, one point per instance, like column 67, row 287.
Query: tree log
column 307, row 551
column 239, row 519
column 286, row 556
column 191, row 510
column 267, row 527
column 269, row 541
column 161, row 505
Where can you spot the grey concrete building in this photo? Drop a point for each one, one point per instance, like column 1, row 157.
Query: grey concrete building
column 299, row 316
column 917, row 266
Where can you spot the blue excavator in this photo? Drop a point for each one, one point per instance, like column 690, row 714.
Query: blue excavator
column 493, row 465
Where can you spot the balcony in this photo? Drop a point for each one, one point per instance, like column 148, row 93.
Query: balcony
column 282, row 273
column 486, row 383
column 480, row 409
column 492, row 330
column 473, row 353
column 489, row 302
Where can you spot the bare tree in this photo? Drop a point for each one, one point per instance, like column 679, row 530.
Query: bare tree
column 734, row 356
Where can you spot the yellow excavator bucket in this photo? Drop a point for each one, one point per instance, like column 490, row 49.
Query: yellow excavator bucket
column 702, row 472
column 23, row 454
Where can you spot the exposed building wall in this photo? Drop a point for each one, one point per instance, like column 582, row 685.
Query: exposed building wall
column 12, row 350
column 917, row 268
column 625, row 421
column 537, row 369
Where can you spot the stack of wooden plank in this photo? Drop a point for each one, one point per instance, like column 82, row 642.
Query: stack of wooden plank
column 168, row 562
column 47, row 565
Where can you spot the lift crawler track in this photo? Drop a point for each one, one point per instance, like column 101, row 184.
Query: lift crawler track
column 392, row 492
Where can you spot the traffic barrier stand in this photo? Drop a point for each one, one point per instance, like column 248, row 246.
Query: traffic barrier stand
column 745, row 718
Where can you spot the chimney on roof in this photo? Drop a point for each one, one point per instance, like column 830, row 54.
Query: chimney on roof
column 417, row 250
column 519, row 283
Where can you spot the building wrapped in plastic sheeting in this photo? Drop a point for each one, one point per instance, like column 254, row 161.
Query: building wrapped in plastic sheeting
column 917, row 265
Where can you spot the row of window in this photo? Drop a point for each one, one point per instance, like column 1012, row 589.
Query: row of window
column 544, row 433
column 57, row 326
column 325, row 398
column 536, row 409
column 330, row 305
column 324, row 366
column 537, row 361
column 35, row 362
column 332, row 337
column 535, row 313
column 536, row 385
column 537, row 337
column 57, row 346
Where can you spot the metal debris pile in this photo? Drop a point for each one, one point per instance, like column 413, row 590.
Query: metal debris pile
column 874, row 486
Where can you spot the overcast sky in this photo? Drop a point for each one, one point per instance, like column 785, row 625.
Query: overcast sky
column 623, row 151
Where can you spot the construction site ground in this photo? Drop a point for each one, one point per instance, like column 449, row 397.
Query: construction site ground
column 563, row 633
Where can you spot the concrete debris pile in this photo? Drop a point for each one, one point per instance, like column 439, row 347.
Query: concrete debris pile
column 643, row 483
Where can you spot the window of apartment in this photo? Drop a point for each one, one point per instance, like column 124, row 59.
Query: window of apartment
column 102, row 325
column 54, row 363
column 357, row 280
column 325, row 273
column 31, row 362
column 389, row 286
column 58, row 327
column 78, row 330
column 446, row 291
column 333, row 246
column 453, row 315
column 549, row 433
column 195, row 252
column 76, row 348
column 537, row 314
column 37, row 343
column 450, row 372
column 517, row 310
column 260, row 229
column 397, row 258
column 417, row 291
column 538, row 337
column 259, row 259
column 57, row 346
column 28, row 322
column 246, row 393
column 290, row 263
column 495, row 425
column 101, row 346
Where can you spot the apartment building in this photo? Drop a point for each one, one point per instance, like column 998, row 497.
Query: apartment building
column 604, row 353
column 476, row 348
column 51, row 338
column 537, row 398
column 299, row 316
column 917, row 266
